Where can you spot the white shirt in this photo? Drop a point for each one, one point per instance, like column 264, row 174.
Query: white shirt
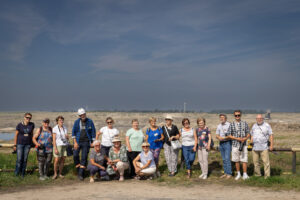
column 222, row 129
column 188, row 137
column 60, row 135
column 107, row 135
column 261, row 134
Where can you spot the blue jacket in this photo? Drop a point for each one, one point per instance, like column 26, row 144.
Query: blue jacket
column 89, row 128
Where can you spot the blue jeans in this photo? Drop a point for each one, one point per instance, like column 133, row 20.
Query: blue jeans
column 225, row 149
column 189, row 155
column 85, row 149
column 22, row 156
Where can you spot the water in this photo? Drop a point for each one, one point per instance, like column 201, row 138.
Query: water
column 7, row 136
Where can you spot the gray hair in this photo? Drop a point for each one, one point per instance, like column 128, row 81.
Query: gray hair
column 96, row 142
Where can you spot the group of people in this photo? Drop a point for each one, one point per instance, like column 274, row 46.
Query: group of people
column 139, row 156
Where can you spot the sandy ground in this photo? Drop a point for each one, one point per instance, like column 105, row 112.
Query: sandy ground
column 144, row 190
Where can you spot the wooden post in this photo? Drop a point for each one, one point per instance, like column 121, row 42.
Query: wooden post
column 294, row 162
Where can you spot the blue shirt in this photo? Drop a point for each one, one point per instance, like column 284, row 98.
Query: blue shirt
column 89, row 128
column 154, row 135
column 145, row 158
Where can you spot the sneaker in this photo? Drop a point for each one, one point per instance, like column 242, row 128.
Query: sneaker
column 237, row 177
column 42, row 178
column 201, row 176
column 92, row 180
column 137, row 177
column 121, row 178
column 204, row 177
column 245, row 176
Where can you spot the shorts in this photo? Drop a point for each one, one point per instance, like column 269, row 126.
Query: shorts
column 148, row 171
column 62, row 152
column 240, row 156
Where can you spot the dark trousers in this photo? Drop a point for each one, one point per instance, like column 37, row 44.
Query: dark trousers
column 22, row 156
column 85, row 149
column 131, row 156
column 105, row 150
column 94, row 169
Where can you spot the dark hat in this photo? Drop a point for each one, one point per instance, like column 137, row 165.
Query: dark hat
column 46, row 120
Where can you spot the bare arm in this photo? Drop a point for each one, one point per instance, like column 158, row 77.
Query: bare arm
column 209, row 142
column 196, row 140
column 271, row 142
column 128, row 144
column 147, row 165
column 54, row 143
column 134, row 162
column 98, row 135
column 36, row 135
column 15, row 140
column 96, row 164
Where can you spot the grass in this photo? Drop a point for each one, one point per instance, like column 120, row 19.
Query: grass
column 281, row 178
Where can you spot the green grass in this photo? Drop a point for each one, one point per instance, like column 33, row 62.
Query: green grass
column 280, row 170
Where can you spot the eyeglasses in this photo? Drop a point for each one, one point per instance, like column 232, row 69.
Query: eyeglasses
column 237, row 115
column 145, row 147
column 28, row 117
column 110, row 122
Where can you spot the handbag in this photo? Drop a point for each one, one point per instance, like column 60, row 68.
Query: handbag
column 175, row 144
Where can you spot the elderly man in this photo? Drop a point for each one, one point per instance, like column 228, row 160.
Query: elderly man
column 239, row 133
column 83, row 135
column 262, row 139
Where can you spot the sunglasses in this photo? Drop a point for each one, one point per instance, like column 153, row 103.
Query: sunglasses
column 28, row 117
column 237, row 115
column 145, row 147
column 110, row 122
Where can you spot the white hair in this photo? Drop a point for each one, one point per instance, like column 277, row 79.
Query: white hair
column 96, row 142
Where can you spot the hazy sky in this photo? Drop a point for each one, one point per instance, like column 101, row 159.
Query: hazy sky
column 127, row 54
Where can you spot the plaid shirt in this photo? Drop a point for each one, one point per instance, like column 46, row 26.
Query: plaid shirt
column 239, row 130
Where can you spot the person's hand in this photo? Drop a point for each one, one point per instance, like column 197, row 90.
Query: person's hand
column 171, row 138
column 194, row 149
column 208, row 148
column 115, row 168
column 137, row 170
column 92, row 145
column 157, row 140
column 67, row 136
column 15, row 148
column 129, row 149
column 76, row 146
column 103, row 168
column 271, row 148
column 56, row 151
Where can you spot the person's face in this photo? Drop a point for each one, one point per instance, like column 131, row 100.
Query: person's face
column 110, row 123
column 83, row 117
column 169, row 122
column 135, row 125
column 153, row 123
column 45, row 124
column 186, row 124
column 201, row 124
column 237, row 116
column 146, row 148
column 117, row 144
column 222, row 119
column 27, row 118
column 97, row 147
column 259, row 119
column 60, row 122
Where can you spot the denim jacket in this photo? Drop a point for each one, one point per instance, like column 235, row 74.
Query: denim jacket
column 89, row 127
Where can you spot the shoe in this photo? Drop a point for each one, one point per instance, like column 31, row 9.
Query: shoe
column 201, row 176
column 42, row 178
column 223, row 176
column 92, row 180
column 158, row 174
column 80, row 178
column 105, row 178
column 237, row 177
column 121, row 178
column 137, row 177
column 245, row 176
column 54, row 177
column 61, row 176
column 150, row 178
column 204, row 177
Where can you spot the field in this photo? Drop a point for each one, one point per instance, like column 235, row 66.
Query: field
column 286, row 128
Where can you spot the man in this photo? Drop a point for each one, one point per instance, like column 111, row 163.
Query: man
column 83, row 135
column 261, row 137
column 22, row 143
column 225, row 145
column 239, row 131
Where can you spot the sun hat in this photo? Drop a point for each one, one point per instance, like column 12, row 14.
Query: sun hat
column 116, row 139
column 169, row 117
column 145, row 144
column 81, row 111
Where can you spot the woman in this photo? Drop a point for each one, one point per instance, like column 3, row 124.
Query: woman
column 154, row 136
column 44, row 146
column 170, row 133
column 118, row 161
column 147, row 165
column 134, row 140
column 189, row 144
column 60, row 142
column 204, row 141
column 108, row 133
column 22, row 143
column 96, row 162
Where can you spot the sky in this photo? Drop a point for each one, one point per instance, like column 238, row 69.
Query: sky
column 146, row 55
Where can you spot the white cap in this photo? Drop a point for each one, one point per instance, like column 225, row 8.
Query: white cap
column 81, row 111
column 169, row 117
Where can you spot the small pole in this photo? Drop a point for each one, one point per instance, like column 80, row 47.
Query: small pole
column 294, row 162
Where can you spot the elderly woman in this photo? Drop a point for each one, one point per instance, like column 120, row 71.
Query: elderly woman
column 204, row 141
column 189, row 144
column 146, row 166
column 134, row 140
column 155, row 138
column 96, row 162
column 108, row 133
column 60, row 142
column 43, row 140
column 170, row 133
column 118, row 161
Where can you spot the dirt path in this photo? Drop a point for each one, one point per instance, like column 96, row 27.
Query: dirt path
column 144, row 190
